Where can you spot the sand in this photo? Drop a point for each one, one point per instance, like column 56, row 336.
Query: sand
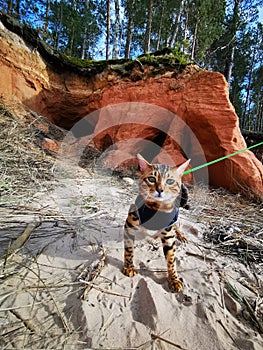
column 78, row 239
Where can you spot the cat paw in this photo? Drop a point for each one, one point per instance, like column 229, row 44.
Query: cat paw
column 129, row 271
column 175, row 285
column 184, row 239
column 181, row 237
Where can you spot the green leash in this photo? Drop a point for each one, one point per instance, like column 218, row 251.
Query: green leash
column 219, row 159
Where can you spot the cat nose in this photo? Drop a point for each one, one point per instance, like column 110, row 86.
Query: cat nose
column 159, row 189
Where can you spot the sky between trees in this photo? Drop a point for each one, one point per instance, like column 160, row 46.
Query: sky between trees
column 222, row 35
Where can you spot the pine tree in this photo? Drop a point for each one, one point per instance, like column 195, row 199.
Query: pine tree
column 130, row 15
column 205, row 23
column 84, row 34
column 148, row 32
column 252, row 112
column 175, row 28
column 117, row 30
column 108, row 29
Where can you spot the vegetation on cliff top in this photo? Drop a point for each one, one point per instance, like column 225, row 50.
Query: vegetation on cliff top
column 224, row 36
column 160, row 60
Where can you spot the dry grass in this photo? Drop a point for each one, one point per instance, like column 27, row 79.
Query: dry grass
column 234, row 227
column 31, row 312
column 24, row 167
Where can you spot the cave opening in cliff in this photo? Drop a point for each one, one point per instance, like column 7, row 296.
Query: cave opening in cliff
column 116, row 143
column 113, row 138
column 152, row 149
column 83, row 127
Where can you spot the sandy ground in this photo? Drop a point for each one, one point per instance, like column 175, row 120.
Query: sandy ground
column 43, row 283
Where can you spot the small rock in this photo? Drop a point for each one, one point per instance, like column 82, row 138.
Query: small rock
column 50, row 145
column 128, row 180
column 232, row 305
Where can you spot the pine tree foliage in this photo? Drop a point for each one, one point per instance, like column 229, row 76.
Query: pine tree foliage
column 222, row 35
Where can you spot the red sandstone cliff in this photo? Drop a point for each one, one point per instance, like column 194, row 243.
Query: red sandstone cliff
column 166, row 116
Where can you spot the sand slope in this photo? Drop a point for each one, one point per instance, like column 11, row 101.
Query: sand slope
column 41, row 305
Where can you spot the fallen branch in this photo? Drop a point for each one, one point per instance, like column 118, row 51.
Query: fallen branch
column 250, row 287
column 95, row 274
column 202, row 257
column 20, row 241
column 93, row 285
column 53, row 285
column 252, row 314
column 228, row 333
column 155, row 336
column 26, row 323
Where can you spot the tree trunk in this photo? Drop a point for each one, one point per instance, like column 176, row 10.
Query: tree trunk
column 72, row 33
column 108, row 31
column 194, row 41
column 121, row 37
column 18, row 8
column 231, row 52
column 10, row 7
column 84, row 43
column 129, row 29
column 248, row 89
column 259, row 114
column 71, row 40
column 147, row 47
column 177, row 23
column 115, row 49
column 186, row 23
column 229, row 64
column 129, row 38
column 47, row 16
column 57, row 32
column 160, row 27
column 85, row 32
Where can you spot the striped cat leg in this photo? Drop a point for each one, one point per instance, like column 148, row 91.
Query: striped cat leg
column 179, row 234
column 168, row 241
column 130, row 228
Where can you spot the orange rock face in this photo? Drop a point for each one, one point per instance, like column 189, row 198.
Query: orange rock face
column 167, row 118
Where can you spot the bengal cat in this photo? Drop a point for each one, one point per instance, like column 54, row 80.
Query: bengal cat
column 161, row 193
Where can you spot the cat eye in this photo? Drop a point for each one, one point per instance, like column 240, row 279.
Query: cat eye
column 151, row 179
column 170, row 181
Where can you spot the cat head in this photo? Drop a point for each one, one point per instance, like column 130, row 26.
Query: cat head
column 158, row 183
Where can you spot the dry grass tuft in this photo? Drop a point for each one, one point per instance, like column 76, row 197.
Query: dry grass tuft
column 234, row 225
column 25, row 167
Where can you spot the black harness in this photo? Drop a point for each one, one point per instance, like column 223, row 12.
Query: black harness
column 156, row 220
column 153, row 219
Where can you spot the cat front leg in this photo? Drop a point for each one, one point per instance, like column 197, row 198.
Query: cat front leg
column 168, row 242
column 130, row 229
column 179, row 234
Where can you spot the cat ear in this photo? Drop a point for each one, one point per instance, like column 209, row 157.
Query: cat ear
column 180, row 170
column 143, row 164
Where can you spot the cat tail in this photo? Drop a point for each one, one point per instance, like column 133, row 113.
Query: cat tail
column 184, row 197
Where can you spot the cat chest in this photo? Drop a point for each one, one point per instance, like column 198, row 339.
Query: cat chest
column 153, row 219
